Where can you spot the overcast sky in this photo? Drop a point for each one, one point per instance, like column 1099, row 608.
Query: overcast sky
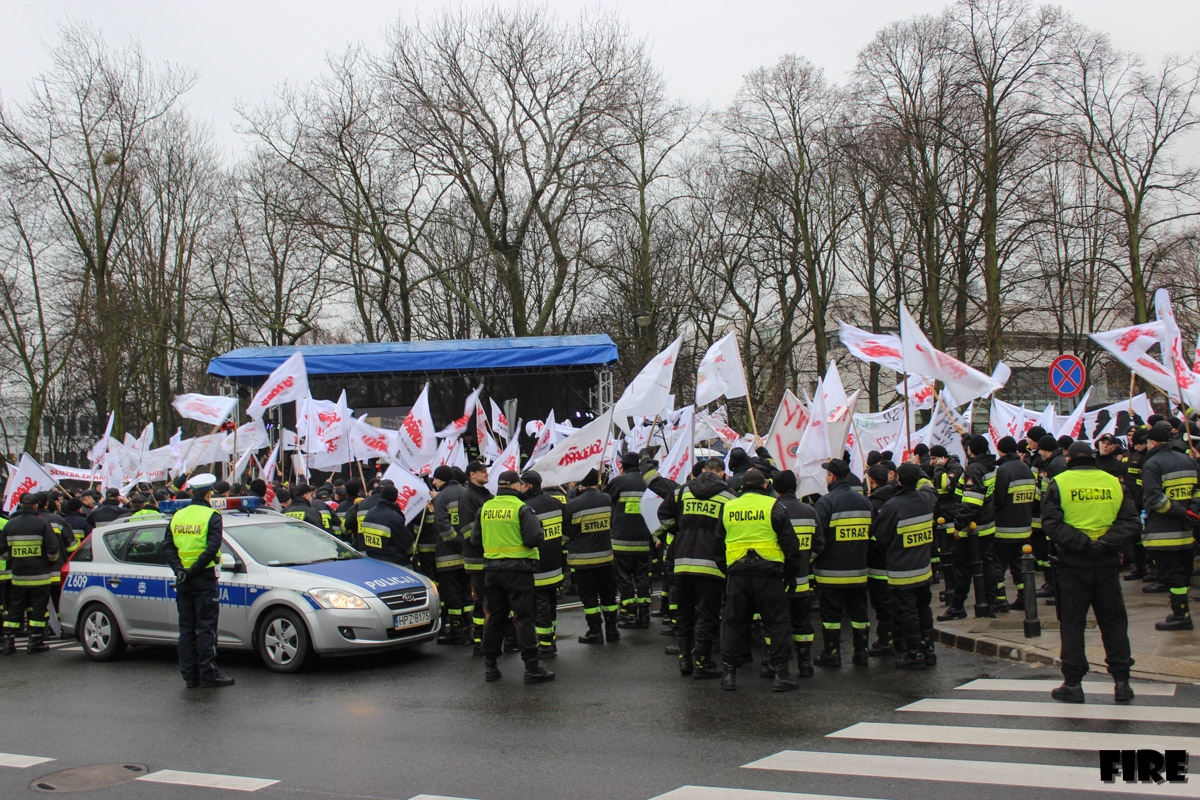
column 242, row 49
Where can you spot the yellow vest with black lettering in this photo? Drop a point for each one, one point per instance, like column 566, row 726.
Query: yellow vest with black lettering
column 5, row 572
column 500, row 529
column 189, row 530
column 747, row 521
column 1091, row 500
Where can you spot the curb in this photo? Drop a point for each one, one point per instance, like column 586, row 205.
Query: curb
column 984, row 646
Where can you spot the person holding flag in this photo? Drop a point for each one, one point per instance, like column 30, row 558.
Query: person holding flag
column 631, row 543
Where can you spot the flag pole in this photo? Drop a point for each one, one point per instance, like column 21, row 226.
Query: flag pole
column 908, row 420
column 958, row 428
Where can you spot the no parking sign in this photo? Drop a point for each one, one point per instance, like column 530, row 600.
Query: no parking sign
column 1067, row 376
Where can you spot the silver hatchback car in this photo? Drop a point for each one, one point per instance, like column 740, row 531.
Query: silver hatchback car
column 288, row 590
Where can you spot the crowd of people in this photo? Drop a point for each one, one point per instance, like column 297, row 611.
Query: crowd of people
column 741, row 560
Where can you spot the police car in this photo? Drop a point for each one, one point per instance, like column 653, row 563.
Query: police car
column 288, row 590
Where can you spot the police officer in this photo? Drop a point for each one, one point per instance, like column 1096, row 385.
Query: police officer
column 549, row 575
column 690, row 515
column 448, row 557
column 810, row 542
column 903, row 530
column 587, row 522
column 192, row 551
column 30, row 548
column 1170, row 484
column 757, row 549
column 141, row 509
column 844, row 516
column 508, row 531
column 1089, row 519
column 384, row 531
column 631, row 543
column 1013, row 499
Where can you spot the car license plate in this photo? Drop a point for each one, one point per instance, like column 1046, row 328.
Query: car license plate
column 409, row 620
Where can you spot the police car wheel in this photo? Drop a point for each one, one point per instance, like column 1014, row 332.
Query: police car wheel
column 100, row 634
column 283, row 641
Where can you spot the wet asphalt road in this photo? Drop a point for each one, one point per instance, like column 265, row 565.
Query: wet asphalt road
column 618, row 724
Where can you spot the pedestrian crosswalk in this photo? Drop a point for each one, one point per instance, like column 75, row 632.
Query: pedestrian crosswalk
column 54, row 642
column 1059, row 742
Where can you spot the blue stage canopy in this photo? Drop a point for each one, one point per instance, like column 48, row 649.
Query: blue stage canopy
column 254, row 364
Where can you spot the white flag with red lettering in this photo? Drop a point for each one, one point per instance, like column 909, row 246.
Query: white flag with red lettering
column 721, row 373
column 1130, row 345
column 921, row 392
column 417, row 443
column 1172, row 350
column 101, row 447
column 413, row 494
column 546, row 439
column 28, row 477
column 206, row 408
column 921, row 357
column 510, row 459
column 61, row 473
column 571, row 458
column 459, row 426
column 1074, row 422
column 647, row 394
column 884, row 349
column 288, row 382
column 677, row 465
column 367, row 441
column 787, row 430
column 499, row 421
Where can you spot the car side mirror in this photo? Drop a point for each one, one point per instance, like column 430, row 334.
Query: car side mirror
column 228, row 563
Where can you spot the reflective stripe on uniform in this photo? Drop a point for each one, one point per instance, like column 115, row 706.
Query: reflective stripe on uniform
column 698, row 566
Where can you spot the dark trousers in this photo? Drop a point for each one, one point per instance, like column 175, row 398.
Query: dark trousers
column 505, row 593
column 960, row 588
column 913, row 614
column 199, row 608
column 1100, row 590
column 597, row 587
column 697, row 601
column 475, row 581
column 34, row 598
column 452, row 586
column 838, row 600
column 633, row 579
column 426, row 564
column 745, row 595
column 545, row 613
column 801, row 608
column 1041, row 549
column 1174, row 569
column 880, row 595
column 1007, row 553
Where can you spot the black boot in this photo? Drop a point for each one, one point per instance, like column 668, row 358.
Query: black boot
column 661, row 611
column 1154, row 587
column 1069, row 692
column 547, row 649
column 643, row 615
column 1180, row 618
column 37, row 641
column 914, row 655
column 861, row 637
column 1122, row 691
column 884, row 642
column 611, row 634
column 783, row 679
column 491, row 672
column 593, row 635
column 536, row 673
column 804, row 667
column 951, row 613
column 728, row 677
column 453, row 634
column 766, row 669
column 929, row 643
column 8, row 645
column 686, row 665
column 1047, row 590
column 831, row 656
column 1135, row 575
column 705, row 668
column 627, row 619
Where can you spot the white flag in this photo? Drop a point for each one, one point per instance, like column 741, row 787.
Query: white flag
column 101, row 447
column 1074, row 423
column 176, row 445
column 571, row 458
column 545, row 440
column 921, row 392
column 923, row 358
column 61, row 473
column 1172, row 349
column 240, row 466
column 648, row 392
column 268, row 467
column 367, row 441
column 884, row 349
column 649, row 509
column 787, row 430
column 288, row 382
column 499, row 421
column 29, row 477
column 1130, row 345
column 413, row 494
column 459, row 426
column 417, row 442
column 209, row 409
column 881, row 431
column 510, row 459
column 677, row 465
column 721, row 373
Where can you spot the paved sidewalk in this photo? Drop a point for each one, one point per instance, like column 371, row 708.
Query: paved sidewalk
column 1158, row 655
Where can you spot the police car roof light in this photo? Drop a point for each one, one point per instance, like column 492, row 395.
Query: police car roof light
column 219, row 503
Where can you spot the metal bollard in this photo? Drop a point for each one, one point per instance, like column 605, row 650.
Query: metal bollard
column 939, row 539
column 1033, row 625
column 983, row 606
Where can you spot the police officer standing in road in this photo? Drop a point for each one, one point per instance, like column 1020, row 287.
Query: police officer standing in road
column 192, row 551
column 1089, row 519
column 509, row 533
column 31, row 548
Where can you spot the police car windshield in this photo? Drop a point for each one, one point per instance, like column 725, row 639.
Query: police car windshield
column 290, row 544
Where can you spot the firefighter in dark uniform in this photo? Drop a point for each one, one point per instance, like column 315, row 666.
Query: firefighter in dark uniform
column 508, row 532
column 301, row 508
column 385, row 533
column 844, row 516
column 880, row 490
column 1051, row 462
column 448, row 558
column 549, row 575
column 474, row 495
column 975, row 505
column 5, row 580
column 1170, row 489
column 690, row 515
column 30, row 550
column 107, row 511
column 903, row 529
column 192, row 550
column 1013, row 501
column 947, row 473
column 1135, row 554
column 425, row 542
column 1089, row 519
column 810, row 542
column 587, row 521
column 757, row 550
column 631, row 543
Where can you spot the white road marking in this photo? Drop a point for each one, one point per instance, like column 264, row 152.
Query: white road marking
column 437, row 797
column 1038, row 685
column 998, row 773
column 233, row 782
column 1019, row 708
column 21, row 762
column 720, row 793
column 1015, row 737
